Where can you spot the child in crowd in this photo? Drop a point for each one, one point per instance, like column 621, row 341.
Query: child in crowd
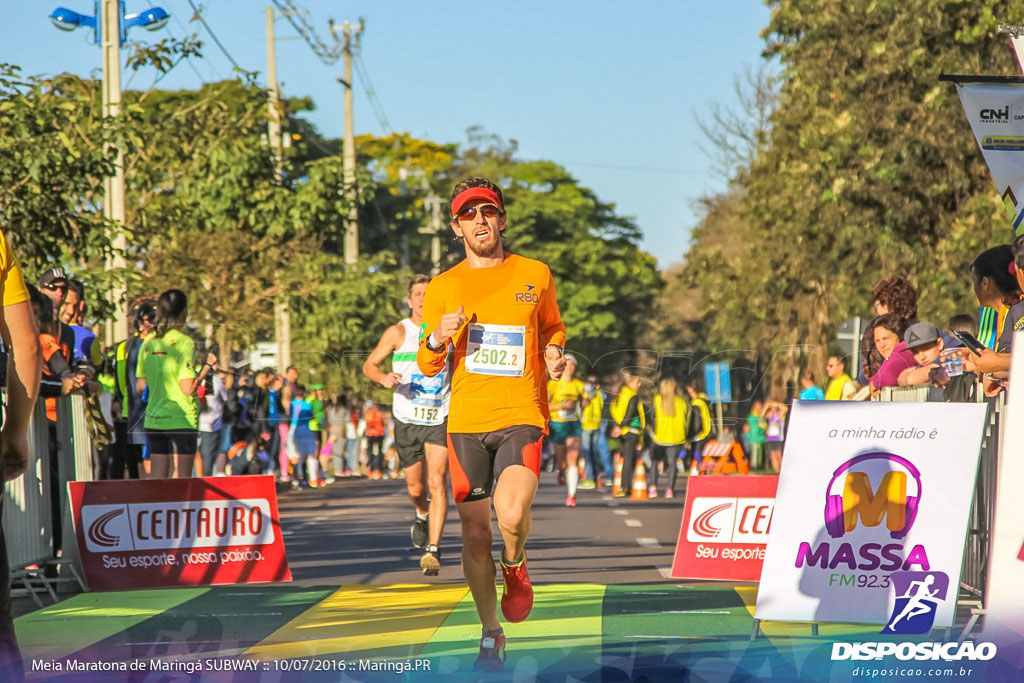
column 926, row 343
column 775, row 432
column 249, row 456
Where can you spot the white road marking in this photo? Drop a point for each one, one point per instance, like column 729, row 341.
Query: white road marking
column 666, row 572
column 634, row 522
column 648, row 542
column 675, row 611
column 621, row 512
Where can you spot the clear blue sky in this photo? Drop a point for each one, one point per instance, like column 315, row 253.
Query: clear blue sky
column 608, row 89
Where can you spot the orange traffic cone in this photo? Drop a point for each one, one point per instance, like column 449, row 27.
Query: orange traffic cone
column 617, row 481
column 639, row 481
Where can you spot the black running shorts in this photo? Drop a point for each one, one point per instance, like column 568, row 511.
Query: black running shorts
column 477, row 460
column 409, row 440
column 171, row 441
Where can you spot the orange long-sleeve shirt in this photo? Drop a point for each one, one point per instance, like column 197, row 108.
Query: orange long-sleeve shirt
column 497, row 387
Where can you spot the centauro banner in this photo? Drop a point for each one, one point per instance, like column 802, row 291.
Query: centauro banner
column 178, row 532
column 996, row 113
column 871, row 510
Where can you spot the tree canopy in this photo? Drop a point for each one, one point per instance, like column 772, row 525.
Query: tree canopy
column 868, row 169
column 211, row 211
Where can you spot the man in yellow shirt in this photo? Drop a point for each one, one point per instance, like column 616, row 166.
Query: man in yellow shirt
column 499, row 312
column 22, row 366
column 840, row 385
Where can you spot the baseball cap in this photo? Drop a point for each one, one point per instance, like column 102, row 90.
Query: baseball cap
column 51, row 275
column 920, row 334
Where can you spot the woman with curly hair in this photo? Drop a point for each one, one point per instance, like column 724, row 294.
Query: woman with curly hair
column 891, row 296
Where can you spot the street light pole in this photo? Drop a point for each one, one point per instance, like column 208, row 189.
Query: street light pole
column 113, row 200
column 110, row 25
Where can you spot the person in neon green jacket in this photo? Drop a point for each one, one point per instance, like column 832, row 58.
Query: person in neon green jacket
column 700, row 427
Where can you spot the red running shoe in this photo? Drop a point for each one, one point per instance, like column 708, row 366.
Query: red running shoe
column 560, row 478
column 517, row 597
column 570, row 502
column 492, row 654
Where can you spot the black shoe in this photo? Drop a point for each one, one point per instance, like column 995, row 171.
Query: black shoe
column 430, row 563
column 420, row 531
column 492, row 654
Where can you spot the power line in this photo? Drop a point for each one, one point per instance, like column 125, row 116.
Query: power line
column 189, row 59
column 199, row 15
column 371, row 95
column 299, row 22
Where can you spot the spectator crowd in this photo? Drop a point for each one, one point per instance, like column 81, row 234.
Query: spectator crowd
column 159, row 408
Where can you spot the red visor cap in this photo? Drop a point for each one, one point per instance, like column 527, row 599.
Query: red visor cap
column 474, row 193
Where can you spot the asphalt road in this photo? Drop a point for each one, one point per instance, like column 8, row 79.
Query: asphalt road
column 356, row 531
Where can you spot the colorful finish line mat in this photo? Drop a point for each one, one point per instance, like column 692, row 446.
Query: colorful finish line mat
column 577, row 632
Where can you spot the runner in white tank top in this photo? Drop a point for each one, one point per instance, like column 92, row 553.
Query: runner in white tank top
column 418, row 400
column 420, row 409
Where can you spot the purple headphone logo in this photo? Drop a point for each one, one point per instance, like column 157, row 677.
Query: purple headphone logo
column 865, row 501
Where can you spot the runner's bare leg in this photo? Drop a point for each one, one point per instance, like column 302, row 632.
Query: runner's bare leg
column 414, row 484
column 513, row 497
column 477, row 561
column 437, row 482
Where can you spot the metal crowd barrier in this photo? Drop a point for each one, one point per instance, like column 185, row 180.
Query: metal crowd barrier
column 27, row 520
column 31, row 502
column 975, row 567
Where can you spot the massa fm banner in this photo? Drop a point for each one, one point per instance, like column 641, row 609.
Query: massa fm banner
column 871, row 514
column 996, row 113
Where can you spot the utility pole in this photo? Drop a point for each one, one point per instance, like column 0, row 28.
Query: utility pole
column 350, row 37
column 282, row 311
column 274, row 124
column 113, row 199
column 433, row 202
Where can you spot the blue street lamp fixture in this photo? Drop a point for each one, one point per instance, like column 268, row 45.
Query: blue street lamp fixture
column 151, row 19
column 110, row 38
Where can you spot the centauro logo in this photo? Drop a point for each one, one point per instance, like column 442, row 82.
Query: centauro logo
column 527, row 297
column 730, row 520
column 179, row 524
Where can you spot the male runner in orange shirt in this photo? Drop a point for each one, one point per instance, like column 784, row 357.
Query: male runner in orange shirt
column 500, row 313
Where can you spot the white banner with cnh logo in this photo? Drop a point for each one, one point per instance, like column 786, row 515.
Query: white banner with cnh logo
column 1004, row 597
column 871, row 514
column 996, row 113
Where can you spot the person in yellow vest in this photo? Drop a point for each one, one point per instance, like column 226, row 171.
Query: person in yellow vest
column 565, row 399
column 128, row 451
column 699, row 425
column 628, row 417
column 595, row 436
column 840, row 385
column 668, row 434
